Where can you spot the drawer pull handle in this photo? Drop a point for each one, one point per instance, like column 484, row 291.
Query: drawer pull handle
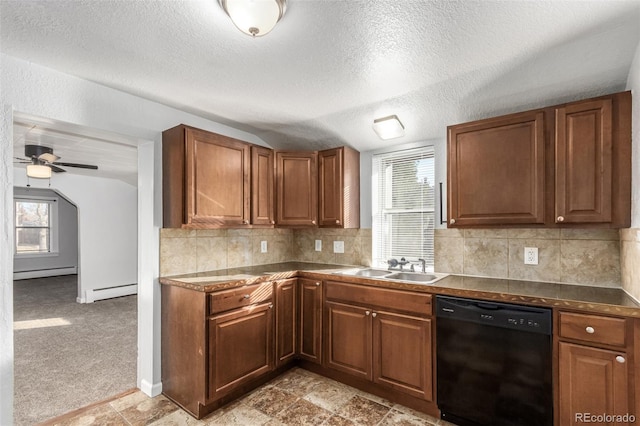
column 374, row 315
column 367, row 312
column 317, row 283
column 590, row 330
column 246, row 296
column 620, row 359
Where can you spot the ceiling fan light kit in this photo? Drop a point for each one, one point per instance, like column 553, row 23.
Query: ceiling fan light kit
column 254, row 17
column 389, row 127
column 38, row 171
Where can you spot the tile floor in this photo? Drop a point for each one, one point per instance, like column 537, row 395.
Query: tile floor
column 297, row 397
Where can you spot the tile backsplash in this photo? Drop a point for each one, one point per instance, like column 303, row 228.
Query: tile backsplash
column 185, row 251
column 576, row 256
column 630, row 254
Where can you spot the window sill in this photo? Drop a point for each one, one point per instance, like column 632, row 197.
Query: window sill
column 34, row 255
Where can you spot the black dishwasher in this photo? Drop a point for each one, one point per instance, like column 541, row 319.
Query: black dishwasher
column 493, row 363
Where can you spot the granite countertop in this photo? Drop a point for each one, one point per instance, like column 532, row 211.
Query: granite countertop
column 595, row 299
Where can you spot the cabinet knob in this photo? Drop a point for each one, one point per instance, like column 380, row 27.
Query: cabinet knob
column 318, row 283
column 273, row 222
column 246, row 296
column 337, row 222
column 560, row 219
column 374, row 315
column 246, row 222
column 313, row 222
column 620, row 359
column 590, row 330
column 452, row 221
column 367, row 312
column 270, row 305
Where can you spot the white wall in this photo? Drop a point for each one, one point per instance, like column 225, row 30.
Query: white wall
column 39, row 91
column 65, row 259
column 633, row 84
column 107, row 221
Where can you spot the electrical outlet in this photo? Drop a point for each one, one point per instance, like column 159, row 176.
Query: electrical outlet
column 338, row 246
column 531, row 255
column 263, row 246
column 318, row 245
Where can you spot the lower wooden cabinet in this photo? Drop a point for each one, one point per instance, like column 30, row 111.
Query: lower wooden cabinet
column 240, row 347
column 402, row 353
column 596, row 368
column 592, row 382
column 286, row 320
column 310, row 320
column 392, row 349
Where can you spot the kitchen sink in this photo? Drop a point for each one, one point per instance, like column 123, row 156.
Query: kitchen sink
column 383, row 274
column 371, row 272
column 411, row 276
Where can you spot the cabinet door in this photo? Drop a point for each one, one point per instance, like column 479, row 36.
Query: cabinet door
column 240, row 348
column 402, row 356
column 285, row 321
column 330, row 193
column 297, row 189
column 262, row 197
column 584, row 162
column 496, row 171
column 592, row 381
column 217, row 184
column 348, row 339
column 310, row 322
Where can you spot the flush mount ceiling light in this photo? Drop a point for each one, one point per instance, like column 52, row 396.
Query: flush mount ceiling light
column 388, row 127
column 38, row 171
column 254, row 17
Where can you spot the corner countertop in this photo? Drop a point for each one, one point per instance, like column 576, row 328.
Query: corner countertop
column 605, row 300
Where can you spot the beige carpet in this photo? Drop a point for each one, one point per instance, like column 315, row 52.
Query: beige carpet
column 68, row 355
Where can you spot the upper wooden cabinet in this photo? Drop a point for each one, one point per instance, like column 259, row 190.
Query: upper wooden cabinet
column 565, row 165
column 297, row 189
column 496, row 171
column 212, row 181
column 262, row 196
column 318, row 189
column 339, row 188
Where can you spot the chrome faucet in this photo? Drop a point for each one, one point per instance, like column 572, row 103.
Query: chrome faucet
column 395, row 262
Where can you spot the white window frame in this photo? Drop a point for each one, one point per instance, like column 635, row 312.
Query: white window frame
column 381, row 226
column 53, row 226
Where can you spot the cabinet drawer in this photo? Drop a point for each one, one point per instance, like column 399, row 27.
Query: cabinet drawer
column 593, row 328
column 406, row 301
column 226, row 300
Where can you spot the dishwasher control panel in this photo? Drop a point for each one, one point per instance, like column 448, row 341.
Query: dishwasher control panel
column 505, row 315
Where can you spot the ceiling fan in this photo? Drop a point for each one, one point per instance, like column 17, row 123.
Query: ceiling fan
column 39, row 155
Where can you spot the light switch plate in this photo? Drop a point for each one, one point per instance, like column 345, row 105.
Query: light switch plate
column 263, row 246
column 531, row 255
column 338, row 246
column 318, row 245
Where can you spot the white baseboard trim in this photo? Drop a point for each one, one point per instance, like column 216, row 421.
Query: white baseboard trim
column 149, row 389
column 25, row 275
column 91, row 296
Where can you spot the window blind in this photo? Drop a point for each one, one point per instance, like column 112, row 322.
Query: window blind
column 403, row 198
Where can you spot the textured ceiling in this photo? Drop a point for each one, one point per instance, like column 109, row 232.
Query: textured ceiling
column 330, row 67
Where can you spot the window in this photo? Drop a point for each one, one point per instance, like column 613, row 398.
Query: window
column 35, row 226
column 403, row 194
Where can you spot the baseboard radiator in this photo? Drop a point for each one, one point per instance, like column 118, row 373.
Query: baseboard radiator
column 91, row 296
column 42, row 273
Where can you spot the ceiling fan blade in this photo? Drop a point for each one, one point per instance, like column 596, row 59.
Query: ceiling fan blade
column 56, row 169
column 81, row 166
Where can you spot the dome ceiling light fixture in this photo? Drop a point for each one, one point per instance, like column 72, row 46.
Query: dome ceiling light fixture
column 254, row 17
column 388, row 127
